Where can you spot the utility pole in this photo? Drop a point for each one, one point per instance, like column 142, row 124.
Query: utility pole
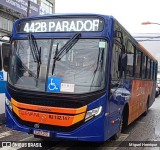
column 28, row 8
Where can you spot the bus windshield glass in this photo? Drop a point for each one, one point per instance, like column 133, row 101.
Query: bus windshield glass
column 79, row 68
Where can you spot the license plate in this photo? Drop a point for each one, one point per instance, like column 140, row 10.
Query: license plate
column 41, row 133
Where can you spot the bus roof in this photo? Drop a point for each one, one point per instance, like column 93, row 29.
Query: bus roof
column 146, row 51
column 66, row 15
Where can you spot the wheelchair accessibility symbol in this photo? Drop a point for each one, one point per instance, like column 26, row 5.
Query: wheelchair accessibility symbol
column 53, row 84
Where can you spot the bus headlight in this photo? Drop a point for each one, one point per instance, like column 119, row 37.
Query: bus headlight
column 92, row 113
column 8, row 103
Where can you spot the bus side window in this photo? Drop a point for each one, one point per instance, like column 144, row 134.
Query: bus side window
column 138, row 64
column 156, row 70
column 130, row 62
column 115, row 73
column 151, row 70
column 148, row 68
column 144, row 65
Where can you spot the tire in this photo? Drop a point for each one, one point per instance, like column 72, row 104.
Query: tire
column 146, row 109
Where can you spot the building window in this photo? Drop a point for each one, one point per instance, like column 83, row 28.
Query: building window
column 46, row 7
column 34, row 1
column 6, row 24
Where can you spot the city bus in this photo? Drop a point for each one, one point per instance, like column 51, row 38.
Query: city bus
column 76, row 77
column 3, row 73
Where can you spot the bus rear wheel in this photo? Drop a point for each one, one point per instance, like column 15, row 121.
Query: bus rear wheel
column 146, row 108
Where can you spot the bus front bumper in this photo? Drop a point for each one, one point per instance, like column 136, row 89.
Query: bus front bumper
column 92, row 130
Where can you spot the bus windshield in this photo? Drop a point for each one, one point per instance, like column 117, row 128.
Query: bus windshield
column 81, row 65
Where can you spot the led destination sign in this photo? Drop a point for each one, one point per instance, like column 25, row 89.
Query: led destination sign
column 61, row 25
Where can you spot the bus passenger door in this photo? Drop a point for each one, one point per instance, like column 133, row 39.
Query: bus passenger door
column 115, row 96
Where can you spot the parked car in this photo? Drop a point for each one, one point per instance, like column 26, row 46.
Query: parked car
column 157, row 91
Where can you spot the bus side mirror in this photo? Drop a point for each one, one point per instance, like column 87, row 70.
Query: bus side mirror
column 124, row 60
column 122, row 63
column 118, row 34
column 5, row 55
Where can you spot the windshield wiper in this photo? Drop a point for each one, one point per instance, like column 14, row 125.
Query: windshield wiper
column 36, row 53
column 54, row 60
column 70, row 43
column 99, row 60
column 99, row 64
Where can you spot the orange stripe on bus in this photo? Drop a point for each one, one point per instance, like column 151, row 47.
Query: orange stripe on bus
column 46, row 118
column 49, row 109
column 141, row 89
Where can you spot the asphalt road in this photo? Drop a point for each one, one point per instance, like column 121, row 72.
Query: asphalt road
column 143, row 134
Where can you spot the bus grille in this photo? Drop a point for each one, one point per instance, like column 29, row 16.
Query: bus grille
column 49, row 102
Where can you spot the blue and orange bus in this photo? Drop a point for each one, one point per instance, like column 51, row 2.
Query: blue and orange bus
column 76, row 77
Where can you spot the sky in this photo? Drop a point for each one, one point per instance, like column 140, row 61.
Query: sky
column 129, row 13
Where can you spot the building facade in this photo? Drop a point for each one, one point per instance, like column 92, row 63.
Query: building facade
column 11, row 10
